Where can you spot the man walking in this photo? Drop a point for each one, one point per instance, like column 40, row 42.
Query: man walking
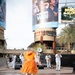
column 58, row 57
column 48, row 60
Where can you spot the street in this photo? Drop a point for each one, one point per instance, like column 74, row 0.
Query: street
column 46, row 71
column 1, row 73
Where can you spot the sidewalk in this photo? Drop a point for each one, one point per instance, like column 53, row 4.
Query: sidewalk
column 45, row 70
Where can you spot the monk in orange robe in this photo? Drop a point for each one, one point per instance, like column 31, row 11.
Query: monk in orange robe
column 29, row 66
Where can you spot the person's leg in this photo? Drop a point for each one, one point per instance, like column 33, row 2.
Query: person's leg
column 50, row 63
column 47, row 63
column 12, row 64
column 28, row 74
column 59, row 65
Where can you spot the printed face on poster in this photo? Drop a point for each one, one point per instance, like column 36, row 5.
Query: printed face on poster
column 45, row 14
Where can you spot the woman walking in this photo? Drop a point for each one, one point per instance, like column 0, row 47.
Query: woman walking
column 29, row 66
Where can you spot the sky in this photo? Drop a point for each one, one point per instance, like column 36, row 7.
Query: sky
column 18, row 33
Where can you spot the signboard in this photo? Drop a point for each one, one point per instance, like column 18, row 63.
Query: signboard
column 44, row 15
column 2, row 13
column 68, row 14
column 48, row 33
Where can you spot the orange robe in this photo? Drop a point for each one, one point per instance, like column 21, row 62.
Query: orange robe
column 29, row 66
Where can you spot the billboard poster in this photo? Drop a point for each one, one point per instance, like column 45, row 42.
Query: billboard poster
column 2, row 13
column 45, row 14
column 68, row 14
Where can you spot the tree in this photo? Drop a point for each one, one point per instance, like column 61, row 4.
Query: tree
column 39, row 45
column 67, row 36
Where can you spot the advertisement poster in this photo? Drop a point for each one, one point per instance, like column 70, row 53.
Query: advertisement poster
column 68, row 14
column 2, row 13
column 45, row 14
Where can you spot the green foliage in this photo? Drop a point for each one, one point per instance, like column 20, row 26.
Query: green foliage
column 67, row 36
column 39, row 45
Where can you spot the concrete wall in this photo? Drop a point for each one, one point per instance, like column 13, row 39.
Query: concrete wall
column 3, row 62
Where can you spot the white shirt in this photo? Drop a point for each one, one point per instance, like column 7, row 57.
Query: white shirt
column 14, row 58
column 21, row 57
column 58, row 57
column 47, row 57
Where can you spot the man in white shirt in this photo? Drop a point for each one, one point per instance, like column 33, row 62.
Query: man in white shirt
column 48, row 60
column 13, row 60
column 58, row 57
column 22, row 58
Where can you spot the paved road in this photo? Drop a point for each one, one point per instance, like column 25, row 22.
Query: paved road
column 64, row 71
column 38, row 74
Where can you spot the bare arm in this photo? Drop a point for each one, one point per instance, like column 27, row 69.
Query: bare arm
column 38, row 61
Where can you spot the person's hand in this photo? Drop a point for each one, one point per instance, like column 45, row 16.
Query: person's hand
column 40, row 64
column 55, row 13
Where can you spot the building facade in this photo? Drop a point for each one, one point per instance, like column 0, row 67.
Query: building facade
column 45, row 23
column 2, row 22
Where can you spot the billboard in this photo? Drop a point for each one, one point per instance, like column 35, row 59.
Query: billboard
column 2, row 13
column 68, row 14
column 45, row 14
